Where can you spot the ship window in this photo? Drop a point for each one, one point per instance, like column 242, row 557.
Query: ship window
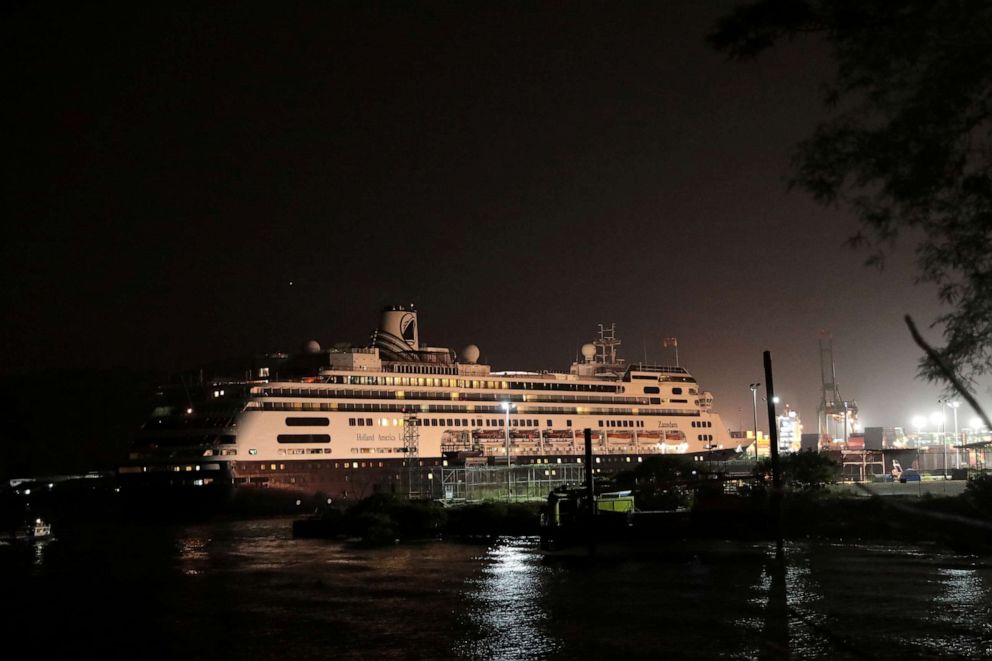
column 549, row 423
column 655, row 400
column 304, row 438
column 676, row 391
column 307, row 422
column 651, row 390
column 568, row 423
column 368, row 422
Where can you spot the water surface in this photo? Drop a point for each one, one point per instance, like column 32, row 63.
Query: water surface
column 247, row 590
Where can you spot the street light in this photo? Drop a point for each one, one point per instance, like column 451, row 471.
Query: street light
column 507, row 406
column 918, row 422
column 754, row 404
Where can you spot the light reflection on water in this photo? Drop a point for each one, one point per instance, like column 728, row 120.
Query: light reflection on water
column 962, row 605
column 506, row 605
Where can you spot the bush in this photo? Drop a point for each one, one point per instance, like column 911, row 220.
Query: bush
column 801, row 471
column 978, row 491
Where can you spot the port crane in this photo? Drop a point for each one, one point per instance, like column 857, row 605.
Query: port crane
column 835, row 413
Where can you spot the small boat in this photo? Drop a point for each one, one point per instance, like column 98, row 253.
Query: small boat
column 36, row 531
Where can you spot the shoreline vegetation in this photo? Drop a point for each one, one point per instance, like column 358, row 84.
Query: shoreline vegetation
column 697, row 506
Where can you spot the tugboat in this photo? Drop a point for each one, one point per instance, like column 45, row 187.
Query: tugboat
column 36, row 531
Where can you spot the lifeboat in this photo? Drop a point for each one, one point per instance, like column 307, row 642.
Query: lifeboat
column 619, row 436
column 558, row 434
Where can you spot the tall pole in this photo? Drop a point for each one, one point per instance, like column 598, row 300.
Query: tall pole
column 506, row 407
column 754, row 403
column 772, row 427
column 773, row 447
column 590, row 512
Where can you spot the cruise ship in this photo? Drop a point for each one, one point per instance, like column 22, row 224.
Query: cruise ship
column 350, row 421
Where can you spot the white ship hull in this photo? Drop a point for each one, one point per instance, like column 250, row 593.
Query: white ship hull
column 363, row 419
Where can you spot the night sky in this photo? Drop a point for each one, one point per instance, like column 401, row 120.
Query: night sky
column 188, row 185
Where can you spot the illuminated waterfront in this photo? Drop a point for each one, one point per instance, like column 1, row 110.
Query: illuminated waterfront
column 248, row 590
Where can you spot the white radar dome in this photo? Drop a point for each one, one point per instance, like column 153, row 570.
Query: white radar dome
column 311, row 346
column 470, row 354
column 589, row 351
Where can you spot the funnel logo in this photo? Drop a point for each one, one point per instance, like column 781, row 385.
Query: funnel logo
column 408, row 328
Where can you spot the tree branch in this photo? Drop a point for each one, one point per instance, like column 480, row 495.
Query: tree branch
column 946, row 371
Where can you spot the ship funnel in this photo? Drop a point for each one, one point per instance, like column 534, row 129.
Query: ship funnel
column 398, row 330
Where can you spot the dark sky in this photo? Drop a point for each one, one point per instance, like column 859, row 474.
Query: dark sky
column 520, row 173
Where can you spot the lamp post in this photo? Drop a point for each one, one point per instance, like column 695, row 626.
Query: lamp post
column 754, row 404
column 507, row 406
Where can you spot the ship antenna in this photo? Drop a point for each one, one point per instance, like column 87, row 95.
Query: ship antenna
column 607, row 343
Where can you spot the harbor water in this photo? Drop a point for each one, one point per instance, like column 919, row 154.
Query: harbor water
column 248, row 590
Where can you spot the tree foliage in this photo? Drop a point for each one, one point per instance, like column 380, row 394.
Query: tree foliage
column 908, row 143
column 802, row 471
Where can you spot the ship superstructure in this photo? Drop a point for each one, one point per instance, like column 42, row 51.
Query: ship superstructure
column 337, row 425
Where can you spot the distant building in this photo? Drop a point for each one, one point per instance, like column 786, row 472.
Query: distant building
column 790, row 431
